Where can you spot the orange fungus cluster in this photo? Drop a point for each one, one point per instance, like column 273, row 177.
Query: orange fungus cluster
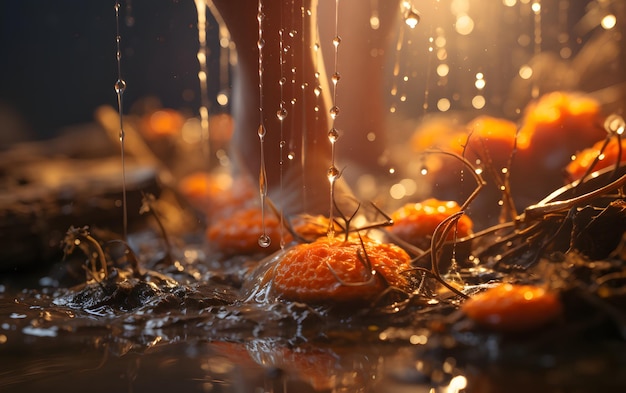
column 416, row 222
column 513, row 308
column 339, row 270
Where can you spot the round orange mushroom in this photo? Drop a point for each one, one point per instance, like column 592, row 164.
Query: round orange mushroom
column 513, row 308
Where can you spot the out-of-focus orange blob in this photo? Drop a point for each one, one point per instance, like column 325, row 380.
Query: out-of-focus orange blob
column 577, row 168
column 218, row 194
column 416, row 222
column 490, row 138
column 560, row 119
column 513, row 308
column 221, row 128
column 162, row 122
column 331, row 271
column 239, row 232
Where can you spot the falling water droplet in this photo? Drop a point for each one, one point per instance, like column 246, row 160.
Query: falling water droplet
column 332, row 174
column 412, row 18
column 281, row 114
column 264, row 241
column 334, row 112
column 336, row 41
column 120, row 86
column 336, row 76
column 333, row 135
column 261, row 132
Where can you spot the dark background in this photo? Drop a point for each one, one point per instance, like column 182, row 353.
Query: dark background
column 58, row 60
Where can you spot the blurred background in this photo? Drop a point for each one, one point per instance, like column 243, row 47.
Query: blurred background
column 58, row 61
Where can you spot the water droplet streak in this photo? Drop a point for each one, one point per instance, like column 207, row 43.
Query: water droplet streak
column 120, row 87
column 201, row 7
column 333, row 134
column 264, row 240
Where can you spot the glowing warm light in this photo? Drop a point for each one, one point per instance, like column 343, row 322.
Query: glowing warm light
column 525, row 72
column 608, row 22
column 480, row 84
column 397, row 191
column 536, row 7
column 509, row 3
column 464, row 25
column 440, row 42
column 191, row 131
column 374, row 22
column 442, row 70
column 457, row 384
column 443, row 104
column 478, row 102
column 410, row 186
column 202, row 76
column 222, row 99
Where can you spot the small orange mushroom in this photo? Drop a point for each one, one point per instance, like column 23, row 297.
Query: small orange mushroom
column 513, row 308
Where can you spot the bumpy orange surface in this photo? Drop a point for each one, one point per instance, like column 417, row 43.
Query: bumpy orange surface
column 304, row 273
column 416, row 222
column 513, row 308
column 239, row 232
column 577, row 168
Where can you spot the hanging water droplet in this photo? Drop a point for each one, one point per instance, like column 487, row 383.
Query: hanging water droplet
column 282, row 81
column 332, row 174
column 264, row 241
column 336, row 76
column 260, row 43
column 281, row 114
column 261, row 131
column 614, row 124
column 293, row 33
column 260, row 16
column 412, row 18
column 120, row 86
column 336, row 41
column 333, row 135
column 317, row 91
column 334, row 112
column 291, row 155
